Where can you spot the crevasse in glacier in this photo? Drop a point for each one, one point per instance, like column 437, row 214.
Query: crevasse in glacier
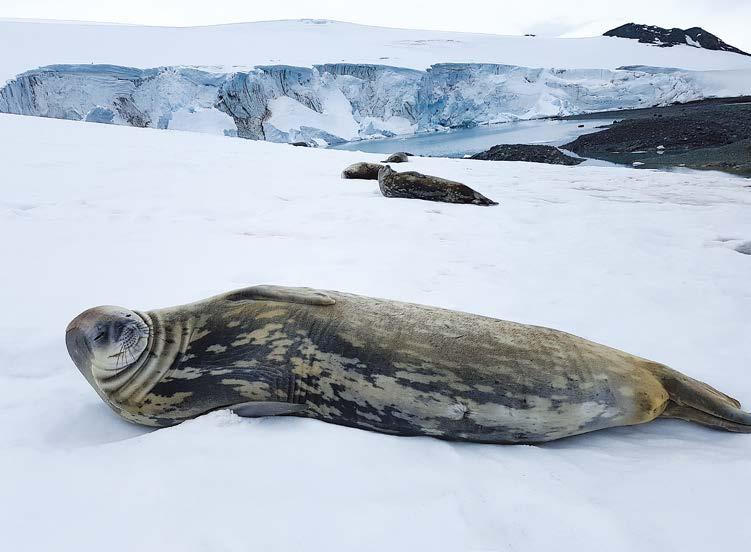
column 331, row 103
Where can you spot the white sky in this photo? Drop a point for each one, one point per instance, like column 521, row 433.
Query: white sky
column 729, row 19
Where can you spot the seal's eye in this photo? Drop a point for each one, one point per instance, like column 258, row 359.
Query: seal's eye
column 100, row 336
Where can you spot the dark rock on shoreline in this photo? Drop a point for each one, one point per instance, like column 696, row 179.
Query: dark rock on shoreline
column 673, row 133
column 526, row 152
column 733, row 158
column 712, row 134
column 414, row 185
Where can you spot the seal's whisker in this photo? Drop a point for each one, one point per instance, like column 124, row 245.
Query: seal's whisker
column 118, row 355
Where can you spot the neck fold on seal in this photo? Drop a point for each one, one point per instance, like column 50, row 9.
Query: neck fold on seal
column 167, row 342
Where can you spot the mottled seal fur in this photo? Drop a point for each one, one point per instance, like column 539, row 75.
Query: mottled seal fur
column 415, row 185
column 374, row 364
column 363, row 171
column 398, row 157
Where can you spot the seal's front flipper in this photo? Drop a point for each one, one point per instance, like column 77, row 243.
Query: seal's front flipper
column 258, row 409
column 303, row 296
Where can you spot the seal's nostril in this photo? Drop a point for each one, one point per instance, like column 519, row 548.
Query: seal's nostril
column 100, row 336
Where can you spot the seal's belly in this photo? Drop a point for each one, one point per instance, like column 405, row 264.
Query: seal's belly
column 468, row 377
column 442, row 405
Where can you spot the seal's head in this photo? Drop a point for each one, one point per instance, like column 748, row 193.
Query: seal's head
column 106, row 338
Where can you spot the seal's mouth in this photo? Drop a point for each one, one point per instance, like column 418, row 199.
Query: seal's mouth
column 128, row 336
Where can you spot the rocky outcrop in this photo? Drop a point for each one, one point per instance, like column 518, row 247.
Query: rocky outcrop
column 651, row 34
column 529, row 153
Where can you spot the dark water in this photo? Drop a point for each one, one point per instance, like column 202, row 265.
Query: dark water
column 468, row 141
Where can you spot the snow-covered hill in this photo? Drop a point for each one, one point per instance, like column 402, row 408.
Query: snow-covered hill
column 305, row 43
column 95, row 214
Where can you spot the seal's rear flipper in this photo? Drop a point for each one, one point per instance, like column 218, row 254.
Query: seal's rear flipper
column 695, row 401
column 689, row 414
column 303, row 296
column 258, row 409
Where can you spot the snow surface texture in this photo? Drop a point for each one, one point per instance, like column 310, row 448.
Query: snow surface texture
column 640, row 260
column 307, row 42
column 333, row 103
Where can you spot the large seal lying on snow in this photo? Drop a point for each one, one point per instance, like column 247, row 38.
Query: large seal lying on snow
column 415, row 185
column 374, row 364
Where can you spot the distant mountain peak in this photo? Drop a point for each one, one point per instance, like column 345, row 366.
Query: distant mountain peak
column 651, row 34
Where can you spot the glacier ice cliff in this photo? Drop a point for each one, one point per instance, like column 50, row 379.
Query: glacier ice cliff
column 336, row 102
column 107, row 93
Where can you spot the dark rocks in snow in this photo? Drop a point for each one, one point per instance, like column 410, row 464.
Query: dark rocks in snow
column 398, row 157
column 744, row 248
column 362, row 171
column 651, row 34
column 414, row 185
column 526, row 152
column 300, row 144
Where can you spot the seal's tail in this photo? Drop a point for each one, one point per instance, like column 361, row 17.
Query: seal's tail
column 698, row 402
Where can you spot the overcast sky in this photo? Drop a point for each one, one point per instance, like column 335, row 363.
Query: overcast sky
column 729, row 19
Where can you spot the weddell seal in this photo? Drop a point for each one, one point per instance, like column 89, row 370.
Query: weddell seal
column 374, row 364
column 363, row 171
column 415, row 185
column 398, row 157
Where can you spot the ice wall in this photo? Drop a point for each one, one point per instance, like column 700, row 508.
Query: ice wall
column 331, row 103
column 111, row 94
column 465, row 95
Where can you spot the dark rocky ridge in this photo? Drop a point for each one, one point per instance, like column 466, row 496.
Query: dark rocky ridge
column 527, row 152
column 651, row 34
column 710, row 134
